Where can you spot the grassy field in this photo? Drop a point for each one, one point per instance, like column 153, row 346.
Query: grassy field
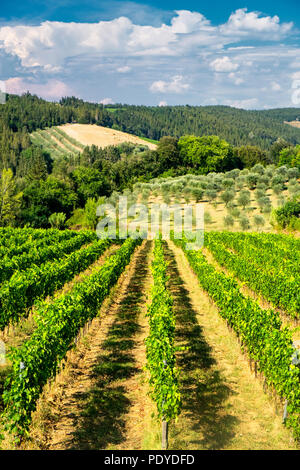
column 71, row 139
column 293, row 123
column 88, row 134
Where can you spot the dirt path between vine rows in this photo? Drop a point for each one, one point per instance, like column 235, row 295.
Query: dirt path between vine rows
column 224, row 405
column 100, row 401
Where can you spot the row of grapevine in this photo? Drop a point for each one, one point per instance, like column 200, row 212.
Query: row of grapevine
column 287, row 244
column 260, row 332
column 65, row 145
column 24, row 288
column 18, row 236
column 65, row 138
column 39, row 239
column 160, row 348
column 44, row 140
column 58, row 324
column 41, row 254
column 275, row 254
column 279, row 286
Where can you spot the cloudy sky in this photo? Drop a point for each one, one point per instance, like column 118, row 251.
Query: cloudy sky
column 242, row 53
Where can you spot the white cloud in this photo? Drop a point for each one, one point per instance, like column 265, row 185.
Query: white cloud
column 223, row 64
column 162, row 103
column 50, row 44
column 107, row 101
column 236, row 80
column 176, row 85
column 243, row 104
column 53, row 89
column 296, row 76
column 188, row 22
column 244, row 23
column 124, row 69
column 275, row 86
column 188, row 57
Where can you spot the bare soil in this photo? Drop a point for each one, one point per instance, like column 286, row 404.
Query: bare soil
column 224, row 404
column 101, row 401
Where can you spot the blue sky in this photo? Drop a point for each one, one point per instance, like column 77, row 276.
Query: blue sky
column 242, row 53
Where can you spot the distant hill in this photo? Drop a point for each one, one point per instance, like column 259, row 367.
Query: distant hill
column 237, row 126
column 23, row 115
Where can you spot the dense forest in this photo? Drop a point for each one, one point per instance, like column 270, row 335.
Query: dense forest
column 237, row 126
column 35, row 184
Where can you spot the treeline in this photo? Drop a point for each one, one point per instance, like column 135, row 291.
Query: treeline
column 22, row 115
column 237, row 126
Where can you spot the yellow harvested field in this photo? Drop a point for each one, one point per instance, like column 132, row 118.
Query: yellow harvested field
column 293, row 123
column 90, row 134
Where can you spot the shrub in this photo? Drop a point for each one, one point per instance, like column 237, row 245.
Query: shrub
column 227, row 196
column 57, row 220
column 228, row 221
column 286, row 214
column 259, row 221
column 244, row 223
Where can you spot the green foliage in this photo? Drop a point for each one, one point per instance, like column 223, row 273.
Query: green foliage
column 160, row 349
column 229, row 221
column 260, row 331
column 206, row 154
column 259, row 221
column 90, row 212
column 10, row 199
column 244, row 198
column 263, row 262
column 58, row 323
column 290, row 211
column 43, row 197
column 34, row 275
column 236, row 126
column 227, row 196
column 168, row 153
column 57, row 220
column 251, row 155
column 244, row 222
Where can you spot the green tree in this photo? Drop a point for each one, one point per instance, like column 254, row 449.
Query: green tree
column 244, row 222
column 168, row 152
column 90, row 212
column 43, row 198
column 89, row 183
column 251, row 155
column 290, row 156
column 228, row 221
column 207, row 154
column 10, row 199
column 244, row 198
column 259, row 221
column 227, row 196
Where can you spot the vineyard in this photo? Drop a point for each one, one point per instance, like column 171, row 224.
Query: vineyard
column 57, row 142
column 70, row 139
column 131, row 344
